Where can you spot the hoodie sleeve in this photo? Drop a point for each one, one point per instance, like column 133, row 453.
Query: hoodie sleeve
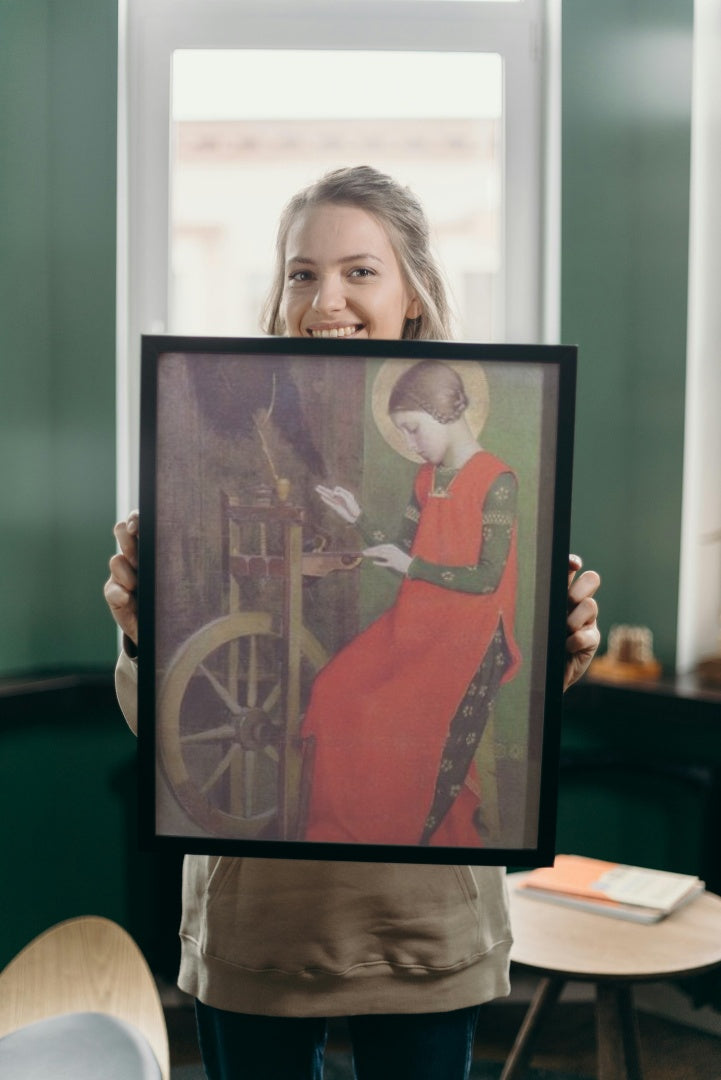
column 126, row 688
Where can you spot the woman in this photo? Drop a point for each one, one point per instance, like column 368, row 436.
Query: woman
column 398, row 714
column 271, row 948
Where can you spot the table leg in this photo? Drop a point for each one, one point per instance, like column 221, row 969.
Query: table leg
column 617, row 1033
column 545, row 997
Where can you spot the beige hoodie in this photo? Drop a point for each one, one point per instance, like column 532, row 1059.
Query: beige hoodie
column 296, row 938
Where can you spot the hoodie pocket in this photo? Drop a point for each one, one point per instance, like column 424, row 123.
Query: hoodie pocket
column 294, row 916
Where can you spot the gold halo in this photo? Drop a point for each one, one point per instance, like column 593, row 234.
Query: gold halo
column 474, row 381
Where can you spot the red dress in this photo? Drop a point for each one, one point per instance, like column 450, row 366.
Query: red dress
column 380, row 710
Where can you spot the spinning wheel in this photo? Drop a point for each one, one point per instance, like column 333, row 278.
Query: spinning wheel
column 229, row 709
column 228, row 773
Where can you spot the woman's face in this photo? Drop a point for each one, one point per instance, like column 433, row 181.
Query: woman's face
column 423, row 435
column 342, row 277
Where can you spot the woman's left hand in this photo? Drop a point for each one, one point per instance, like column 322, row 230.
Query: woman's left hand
column 582, row 633
column 390, row 556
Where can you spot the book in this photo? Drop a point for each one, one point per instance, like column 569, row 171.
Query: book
column 608, row 888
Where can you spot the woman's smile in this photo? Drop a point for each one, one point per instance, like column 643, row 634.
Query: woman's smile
column 335, row 331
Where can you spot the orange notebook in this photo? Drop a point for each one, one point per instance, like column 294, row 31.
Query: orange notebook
column 631, row 892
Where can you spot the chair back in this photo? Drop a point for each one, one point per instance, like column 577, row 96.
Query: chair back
column 86, row 964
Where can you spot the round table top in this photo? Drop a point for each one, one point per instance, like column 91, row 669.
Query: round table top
column 559, row 940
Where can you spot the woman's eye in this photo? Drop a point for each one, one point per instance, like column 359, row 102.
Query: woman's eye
column 300, row 276
column 362, row 272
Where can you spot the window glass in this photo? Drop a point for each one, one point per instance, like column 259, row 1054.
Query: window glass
column 251, row 127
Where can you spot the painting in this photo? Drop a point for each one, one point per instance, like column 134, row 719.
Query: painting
column 352, row 597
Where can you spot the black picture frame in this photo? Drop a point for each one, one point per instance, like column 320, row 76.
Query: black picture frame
column 250, row 585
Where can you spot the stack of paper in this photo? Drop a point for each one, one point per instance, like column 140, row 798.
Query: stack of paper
column 608, row 888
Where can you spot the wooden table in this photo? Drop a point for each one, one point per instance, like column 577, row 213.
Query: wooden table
column 563, row 944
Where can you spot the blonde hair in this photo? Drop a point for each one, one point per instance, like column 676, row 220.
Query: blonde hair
column 403, row 217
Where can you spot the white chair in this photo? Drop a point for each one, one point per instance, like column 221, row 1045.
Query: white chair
column 80, row 1002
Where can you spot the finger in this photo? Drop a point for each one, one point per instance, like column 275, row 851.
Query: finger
column 377, row 555
column 585, row 585
column 585, row 613
column 586, row 635
column 119, row 599
column 581, row 649
column 575, row 563
column 126, row 534
column 123, row 608
column 123, row 573
column 330, row 498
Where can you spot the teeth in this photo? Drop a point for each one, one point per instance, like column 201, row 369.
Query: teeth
column 336, row 332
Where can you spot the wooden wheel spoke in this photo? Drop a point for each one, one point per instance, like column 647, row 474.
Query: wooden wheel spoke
column 252, row 686
column 224, row 764
column 272, row 699
column 211, row 735
column 220, row 690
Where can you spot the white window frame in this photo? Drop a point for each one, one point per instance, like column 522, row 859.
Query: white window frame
column 526, row 34
column 699, row 598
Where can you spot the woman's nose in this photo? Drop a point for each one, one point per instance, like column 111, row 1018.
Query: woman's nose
column 329, row 296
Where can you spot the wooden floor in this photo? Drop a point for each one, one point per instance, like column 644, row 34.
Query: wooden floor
column 669, row 1051
column 567, row 1042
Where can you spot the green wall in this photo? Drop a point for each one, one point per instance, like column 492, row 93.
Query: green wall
column 67, row 774
column 625, row 167
column 58, row 65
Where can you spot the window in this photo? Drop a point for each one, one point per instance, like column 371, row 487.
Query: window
column 235, row 161
column 258, row 97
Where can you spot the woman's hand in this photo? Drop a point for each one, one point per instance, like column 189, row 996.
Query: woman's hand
column 121, row 587
column 390, row 556
column 583, row 635
column 342, row 501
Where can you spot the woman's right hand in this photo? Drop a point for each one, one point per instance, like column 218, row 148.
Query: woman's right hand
column 342, row 501
column 121, row 587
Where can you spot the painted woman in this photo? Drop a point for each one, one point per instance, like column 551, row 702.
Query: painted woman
column 398, row 714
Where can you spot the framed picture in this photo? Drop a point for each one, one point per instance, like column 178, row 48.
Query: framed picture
column 352, row 597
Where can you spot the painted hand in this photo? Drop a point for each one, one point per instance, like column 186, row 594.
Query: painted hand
column 342, row 501
column 390, row 556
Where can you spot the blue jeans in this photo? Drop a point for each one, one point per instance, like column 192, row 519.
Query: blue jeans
column 414, row 1046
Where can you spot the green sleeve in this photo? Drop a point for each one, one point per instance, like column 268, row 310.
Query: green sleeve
column 499, row 514
column 374, row 534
